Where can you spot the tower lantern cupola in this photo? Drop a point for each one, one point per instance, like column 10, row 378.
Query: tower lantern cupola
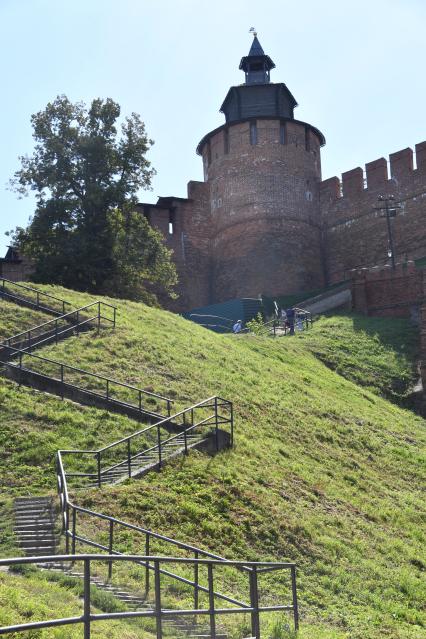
column 256, row 64
column 258, row 97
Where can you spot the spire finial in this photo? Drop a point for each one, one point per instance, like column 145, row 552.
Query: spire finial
column 253, row 31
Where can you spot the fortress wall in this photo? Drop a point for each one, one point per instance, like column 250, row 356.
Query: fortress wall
column 185, row 225
column 399, row 292
column 387, row 292
column 355, row 232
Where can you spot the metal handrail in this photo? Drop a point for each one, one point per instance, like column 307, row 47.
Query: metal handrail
column 67, row 506
column 109, row 380
column 156, row 447
column 214, row 419
column 33, row 290
column 163, row 421
column 156, row 564
column 227, row 319
column 65, row 316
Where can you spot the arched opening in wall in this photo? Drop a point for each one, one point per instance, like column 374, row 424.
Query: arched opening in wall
column 171, row 222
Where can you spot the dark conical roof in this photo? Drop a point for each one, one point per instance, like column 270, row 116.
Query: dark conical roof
column 256, row 55
column 256, row 48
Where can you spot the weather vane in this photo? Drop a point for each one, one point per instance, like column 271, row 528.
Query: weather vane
column 253, row 31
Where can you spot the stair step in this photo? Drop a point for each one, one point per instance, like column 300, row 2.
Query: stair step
column 30, row 543
column 28, row 529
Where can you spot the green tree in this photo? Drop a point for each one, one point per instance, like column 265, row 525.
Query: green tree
column 84, row 169
column 142, row 261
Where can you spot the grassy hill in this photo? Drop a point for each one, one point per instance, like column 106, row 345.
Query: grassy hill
column 325, row 471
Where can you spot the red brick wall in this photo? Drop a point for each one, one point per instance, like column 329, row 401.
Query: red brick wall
column 386, row 292
column 264, row 204
column 17, row 271
column 190, row 243
column 423, row 334
column 355, row 233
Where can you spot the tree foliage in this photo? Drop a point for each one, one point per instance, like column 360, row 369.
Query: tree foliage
column 85, row 172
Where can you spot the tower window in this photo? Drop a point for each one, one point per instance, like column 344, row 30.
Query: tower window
column 253, row 133
column 307, row 140
column 171, row 222
column 283, row 133
column 226, row 140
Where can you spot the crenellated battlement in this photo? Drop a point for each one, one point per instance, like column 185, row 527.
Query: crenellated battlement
column 376, row 175
column 355, row 233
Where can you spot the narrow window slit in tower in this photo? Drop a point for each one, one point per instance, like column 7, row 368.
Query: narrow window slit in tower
column 171, row 222
column 307, row 140
column 283, row 133
column 226, row 141
column 253, row 133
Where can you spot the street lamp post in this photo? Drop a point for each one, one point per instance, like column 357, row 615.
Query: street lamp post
column 390, row 211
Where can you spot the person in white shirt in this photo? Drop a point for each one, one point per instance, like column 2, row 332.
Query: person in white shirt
column 237, row 327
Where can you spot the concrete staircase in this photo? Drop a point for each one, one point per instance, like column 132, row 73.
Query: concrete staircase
column 147, row 461
column 174, row 626
column 35, row 517
column 35, row 525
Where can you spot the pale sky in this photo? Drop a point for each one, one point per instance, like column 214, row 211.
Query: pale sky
column 355, row 68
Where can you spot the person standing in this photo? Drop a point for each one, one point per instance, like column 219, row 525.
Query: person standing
column 290, row 319
column 237, row 327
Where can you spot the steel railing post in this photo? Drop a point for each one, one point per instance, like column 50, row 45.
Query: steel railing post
column 66, row 523
column 186, row 441
column 115, row 313
column 294, row 595
column 98, row 458
column 107, row 389
column 231, row 405
column 56, row 331
column 129, row 458
column 77, row 322
column 29, row 338
column 211, row 602
column 169, row 408
column 254, row 603
column 159, row 446
column 111, row 537
column 99, row 316
column 63, row 307
column 74, row 526
column 140, row 401
column 62, row 380
column 216, row 424
column 147, row 539
column 196, row 581
column 158, row 599
column 86, row 612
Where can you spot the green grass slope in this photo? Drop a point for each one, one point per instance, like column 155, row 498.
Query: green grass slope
column 15, row 319
column 377, row 353
column 324, row 471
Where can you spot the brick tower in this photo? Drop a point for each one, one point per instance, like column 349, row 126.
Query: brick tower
column 262, row 170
